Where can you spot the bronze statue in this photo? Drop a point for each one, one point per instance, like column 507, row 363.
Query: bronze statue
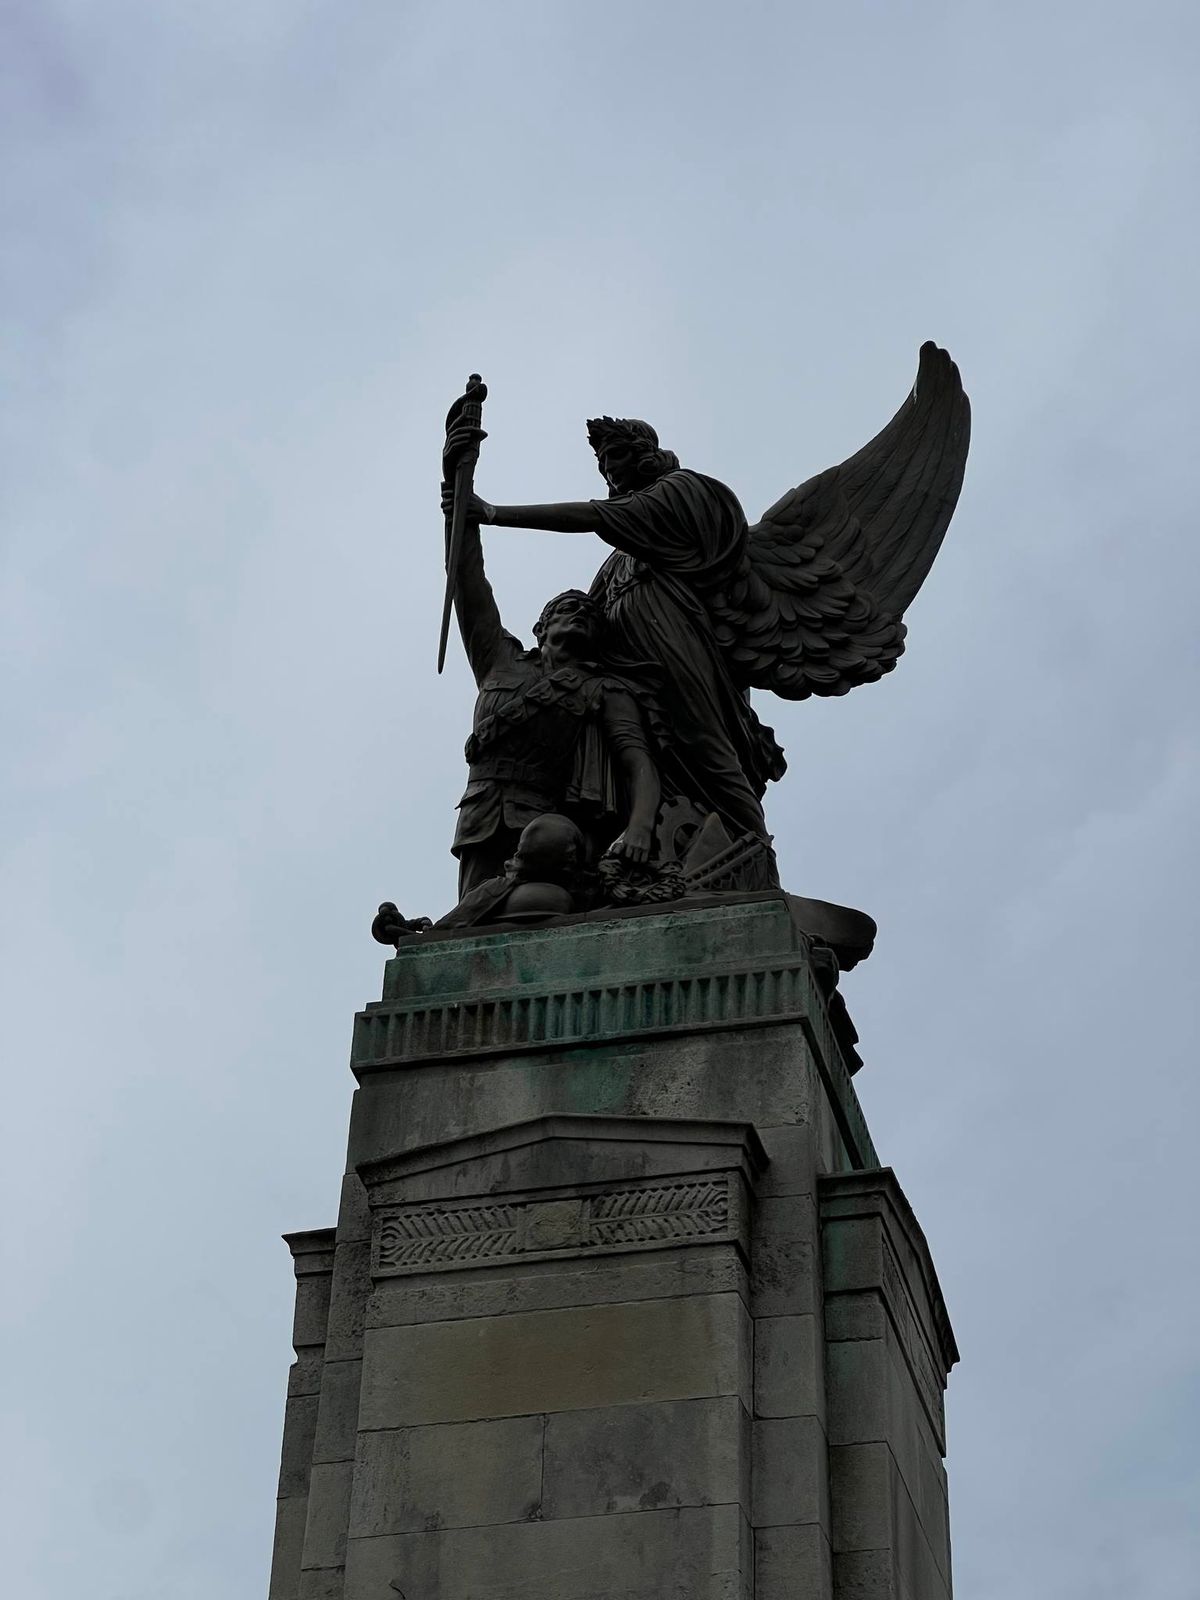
column 554, row 731
column 544, row 879
column 809, row 600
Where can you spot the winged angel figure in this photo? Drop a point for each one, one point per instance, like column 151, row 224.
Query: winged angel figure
column 703, row 607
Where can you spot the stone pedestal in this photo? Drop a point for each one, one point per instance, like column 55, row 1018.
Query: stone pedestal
column 621, row 1305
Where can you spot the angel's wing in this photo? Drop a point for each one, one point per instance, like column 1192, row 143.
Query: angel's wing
column 834, row 563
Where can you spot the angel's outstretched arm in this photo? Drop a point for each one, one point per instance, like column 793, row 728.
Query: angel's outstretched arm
column 567, row 516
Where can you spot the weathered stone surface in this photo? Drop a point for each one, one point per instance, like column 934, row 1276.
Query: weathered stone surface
column 864, row 1491
column 354, row 1214
column 763, row 1076
column 286, row 1552
column 867, row 1575
column 688, row 1554
column 788, row 1368
column 791, row 1160
column 337, row 1412
column 872, row 1400
column 606, row 949
column 304, row 1378
column 318, row 1583
column 793, row 1563
column 563, row 1150
column 351, row 1285
column 784, row 1278
column 872, row 1242
column 300, row 1430
column 328, row 1515
column 872, row 1512
column 702, row 1270
column 312, row 1262
column 465, row 1474
column 889, row 1347
column 646, row 1458
column 790, row 1473
column 337, row 1417
column 855, row 1316
column 556, row 1360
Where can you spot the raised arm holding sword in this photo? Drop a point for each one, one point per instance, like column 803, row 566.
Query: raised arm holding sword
column 552, row 729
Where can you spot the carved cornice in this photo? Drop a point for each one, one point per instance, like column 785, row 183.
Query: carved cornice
column 538, row 1017
column 312, row 1251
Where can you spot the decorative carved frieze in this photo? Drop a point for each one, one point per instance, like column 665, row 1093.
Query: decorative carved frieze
column 423, row 1238
column 541, row 1018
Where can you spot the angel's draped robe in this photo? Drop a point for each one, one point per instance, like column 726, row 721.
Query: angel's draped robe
column 675, row 543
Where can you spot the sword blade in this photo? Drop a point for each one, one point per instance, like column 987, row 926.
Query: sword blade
column 468, row 409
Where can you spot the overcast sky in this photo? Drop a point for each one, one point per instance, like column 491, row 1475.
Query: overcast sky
column 251, row 250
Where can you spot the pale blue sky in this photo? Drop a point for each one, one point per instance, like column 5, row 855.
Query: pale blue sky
column 250, row 252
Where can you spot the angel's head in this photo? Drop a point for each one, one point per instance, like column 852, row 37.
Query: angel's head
column 628, row 454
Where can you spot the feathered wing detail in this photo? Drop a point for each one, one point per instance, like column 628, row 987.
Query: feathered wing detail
column 832, row 566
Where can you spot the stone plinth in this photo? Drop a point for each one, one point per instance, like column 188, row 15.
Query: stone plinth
column 621, row 1304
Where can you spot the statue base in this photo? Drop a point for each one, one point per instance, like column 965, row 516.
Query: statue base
column 620, row 1303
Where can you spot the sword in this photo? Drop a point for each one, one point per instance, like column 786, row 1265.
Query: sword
column 468, row 408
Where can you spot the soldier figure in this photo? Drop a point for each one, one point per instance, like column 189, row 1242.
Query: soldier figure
column 553, row 731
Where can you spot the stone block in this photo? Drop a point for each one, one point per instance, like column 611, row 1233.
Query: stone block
column 830, row 1148
column 863, row 1488
column 288, row 1549
column 688, row 1554
column 872, row 1398
column 872, row 1241
column 792, row 1163
column 867, row 1575
column 465, row 1474
column 859, row 1382
column 312, row 1310
column 788, row 1376
column 563, row 1150
column 545, row 1361
column 784, row 1249
column 605, row 946
column 328, row 1518
column 304, row 1375
column 701, row 1270
column 348, row 1300
column 854, row 1316
column 792, row 1563
column 337, row 1414
column 646, row 1458
column 299, row 1433
column 354, row 1214
column 327, row 1583
column 763, row 1076
column 921, row 1575
column 873, row 1512
column 790, row 1473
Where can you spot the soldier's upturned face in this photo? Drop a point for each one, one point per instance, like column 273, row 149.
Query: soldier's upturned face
column 571, row 626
